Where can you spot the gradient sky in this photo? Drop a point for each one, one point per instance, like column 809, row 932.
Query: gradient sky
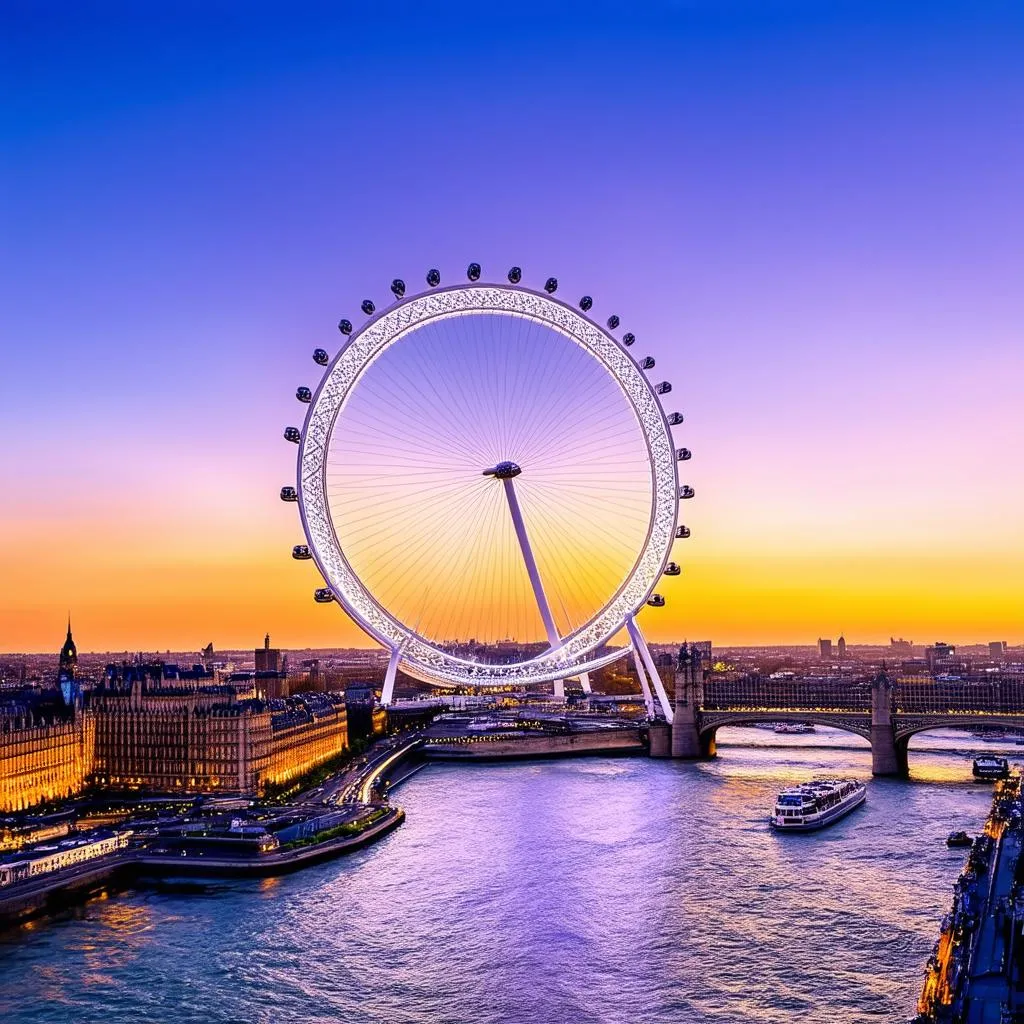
column 811, row 213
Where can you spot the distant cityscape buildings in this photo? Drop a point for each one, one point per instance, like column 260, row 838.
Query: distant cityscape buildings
column 151, row 726
column 218, row 726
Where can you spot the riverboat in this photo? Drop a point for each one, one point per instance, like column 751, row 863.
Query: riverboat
column 796, row 728
column 959, row 839
column 813, row 805
column 987, row 768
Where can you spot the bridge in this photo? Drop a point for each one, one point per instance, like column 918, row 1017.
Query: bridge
column 884, row 711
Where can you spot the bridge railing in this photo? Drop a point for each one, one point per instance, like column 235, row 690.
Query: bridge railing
column 759, row 693
column 998, row 697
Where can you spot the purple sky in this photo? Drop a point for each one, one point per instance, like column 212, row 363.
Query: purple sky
column 811, row 214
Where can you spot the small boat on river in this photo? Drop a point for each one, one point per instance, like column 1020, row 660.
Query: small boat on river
column 958, row 839
column 813, row 805
column 988, row 768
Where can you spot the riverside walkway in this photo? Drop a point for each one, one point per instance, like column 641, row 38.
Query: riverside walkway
column 976, row 972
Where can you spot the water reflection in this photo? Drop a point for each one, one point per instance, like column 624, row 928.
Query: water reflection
column 592, row 890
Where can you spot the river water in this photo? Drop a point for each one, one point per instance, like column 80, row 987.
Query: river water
column 592, row 890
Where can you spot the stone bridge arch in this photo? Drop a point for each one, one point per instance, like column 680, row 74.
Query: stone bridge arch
column 709, row 722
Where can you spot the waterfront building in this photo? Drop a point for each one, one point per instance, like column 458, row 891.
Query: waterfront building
column 209, row 740
column 43, row 760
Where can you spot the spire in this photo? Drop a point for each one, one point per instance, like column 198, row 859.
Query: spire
column 69, row 625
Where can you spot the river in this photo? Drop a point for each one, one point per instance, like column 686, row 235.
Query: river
column 591, row 890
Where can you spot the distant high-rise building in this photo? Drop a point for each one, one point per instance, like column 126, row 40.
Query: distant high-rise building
column 938, row 653
column 997, row 650
column 824, row 648
column 842, row 647
column 901, row 646
column 268, row 659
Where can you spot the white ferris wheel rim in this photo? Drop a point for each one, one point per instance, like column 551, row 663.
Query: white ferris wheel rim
column 578, row 651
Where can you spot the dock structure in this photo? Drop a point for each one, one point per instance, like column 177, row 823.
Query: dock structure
column 975, row 974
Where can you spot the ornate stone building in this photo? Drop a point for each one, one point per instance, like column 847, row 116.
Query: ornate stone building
column 44, row 760
column 207, row 740
column 158, row 728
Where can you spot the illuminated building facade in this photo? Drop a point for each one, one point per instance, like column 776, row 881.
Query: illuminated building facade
column 44, row 761
column 207, row 740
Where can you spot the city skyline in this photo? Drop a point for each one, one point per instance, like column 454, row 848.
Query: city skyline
column 821, row 252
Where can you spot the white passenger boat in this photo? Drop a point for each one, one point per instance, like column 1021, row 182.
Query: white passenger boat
column 816, row 804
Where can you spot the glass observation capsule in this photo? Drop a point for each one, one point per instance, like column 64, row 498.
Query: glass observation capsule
column 682, row 532
column 663, row 388
column 613, row 322
column 585, row 303
column 289, row 494
column 321, row 357
column 686, row 491
column 473, row 272
column 292, row 434
column 304, row 395
column 398, row 287
column 672, row 569
column 675, row 418
column 433, row 277
column 683, row 455
column 301, row 552
column 551, row 285
column 345, row 326
column 647, row 363
column 628, row 339
column 515, row 275
column 368, row 307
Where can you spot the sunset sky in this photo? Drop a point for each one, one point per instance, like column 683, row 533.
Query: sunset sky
column 811, row 213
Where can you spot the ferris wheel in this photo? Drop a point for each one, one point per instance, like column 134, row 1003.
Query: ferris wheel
column 488, row 484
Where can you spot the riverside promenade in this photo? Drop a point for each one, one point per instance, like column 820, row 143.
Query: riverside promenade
column 358, row 789
column 976, row 972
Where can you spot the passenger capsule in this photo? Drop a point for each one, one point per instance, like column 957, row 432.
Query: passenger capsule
column 585, row 303
column 368, row 307
column 663, row 388
column 301, row 552
column 672, row 569
column 398, row 287
column 292, row 434
column 656, row 601
column 473, row 271
column 683, row 455
column 682, row 532
column 304, row 395
column 323, row 595
column 613, row 322
column 686, row 491
column 675, row 418
column 345, row 326
column 551, row 285
column 628, row 339
column 515, row 275
column 433, row 277
column 288, row 494
column 647, row 363
column 321, row 357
